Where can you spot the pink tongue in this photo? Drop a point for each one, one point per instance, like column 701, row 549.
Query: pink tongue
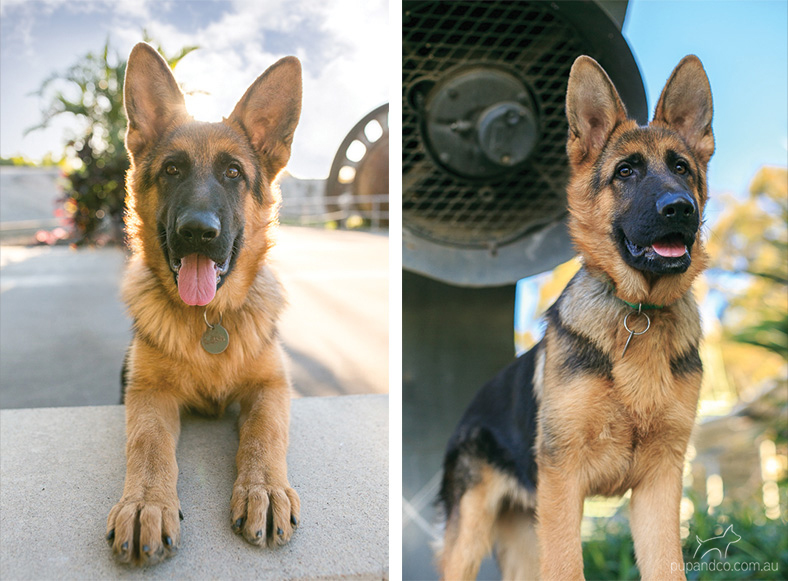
column 669, row 249
column 197, row 280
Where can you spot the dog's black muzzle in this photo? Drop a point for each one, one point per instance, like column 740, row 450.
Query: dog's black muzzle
column 657, row 233
column 196, row 231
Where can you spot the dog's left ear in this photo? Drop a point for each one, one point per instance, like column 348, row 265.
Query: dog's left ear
column 685, row 106
column 269, row 112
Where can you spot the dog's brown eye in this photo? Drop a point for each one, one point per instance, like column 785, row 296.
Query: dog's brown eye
column 681, row 167
column 232, row 172
column 624, row 171
column 171, row 169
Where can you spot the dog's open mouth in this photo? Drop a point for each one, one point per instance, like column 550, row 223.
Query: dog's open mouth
column 668, row 247
column 198, row 277
column 667, row 254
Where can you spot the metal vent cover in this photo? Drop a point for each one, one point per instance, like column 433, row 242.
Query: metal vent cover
column 446, row 214
column 530, row 41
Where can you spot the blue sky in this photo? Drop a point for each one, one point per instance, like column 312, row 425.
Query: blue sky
column 744, row 48
column 338, row 42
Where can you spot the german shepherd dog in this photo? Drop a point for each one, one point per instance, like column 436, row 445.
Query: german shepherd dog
column 605, row 403
column 201, row 207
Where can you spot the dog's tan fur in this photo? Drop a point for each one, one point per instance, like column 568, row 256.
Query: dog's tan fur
column 167, row 369
column 599, row 434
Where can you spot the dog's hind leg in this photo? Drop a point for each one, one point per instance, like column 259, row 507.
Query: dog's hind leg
column 469, row 531
column 516, row 546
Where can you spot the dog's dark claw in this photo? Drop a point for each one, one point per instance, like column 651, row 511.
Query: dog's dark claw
column 293, row 520
column 168, row 540
column 238, row 524
column 111, row 536
column 145, row 548
column 180, row 514
column 258, row 534
column 124, row 546
column 279, row 531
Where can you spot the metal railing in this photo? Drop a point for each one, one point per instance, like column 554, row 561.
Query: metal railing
column 372, row 210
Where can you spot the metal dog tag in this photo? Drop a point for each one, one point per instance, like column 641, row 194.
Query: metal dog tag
column 215, row 339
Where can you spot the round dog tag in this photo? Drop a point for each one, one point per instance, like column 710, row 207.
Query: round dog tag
column 215, row 339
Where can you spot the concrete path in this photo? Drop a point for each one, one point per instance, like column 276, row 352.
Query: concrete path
column 63, row 331
column 63, row 469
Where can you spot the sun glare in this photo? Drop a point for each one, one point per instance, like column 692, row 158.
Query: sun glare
column 202, row 107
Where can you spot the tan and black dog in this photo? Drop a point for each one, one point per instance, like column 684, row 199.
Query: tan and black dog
column 605, row 403
column 201, row 206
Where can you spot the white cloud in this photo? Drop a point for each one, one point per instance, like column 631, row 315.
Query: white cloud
column 341, row 43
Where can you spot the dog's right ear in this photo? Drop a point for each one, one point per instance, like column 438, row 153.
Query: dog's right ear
column 151, row 96
column 593, row 109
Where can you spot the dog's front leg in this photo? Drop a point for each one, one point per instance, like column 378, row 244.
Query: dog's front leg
column 559, row 510
column 654, row 520
column 144, row 528
column 261, row 488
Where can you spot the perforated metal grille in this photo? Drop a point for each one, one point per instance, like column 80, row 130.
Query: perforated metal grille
column 527, row 38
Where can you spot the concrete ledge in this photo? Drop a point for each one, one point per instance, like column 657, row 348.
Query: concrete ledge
column 62, row 469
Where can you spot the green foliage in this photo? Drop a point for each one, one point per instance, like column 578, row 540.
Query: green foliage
column 610, row 553
column 91, row 91
column 751, row 240
column 22, row 161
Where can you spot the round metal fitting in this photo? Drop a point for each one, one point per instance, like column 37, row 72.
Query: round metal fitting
column 479, row 122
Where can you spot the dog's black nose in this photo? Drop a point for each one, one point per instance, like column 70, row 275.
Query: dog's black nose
column 676, row 205
column 198, row 227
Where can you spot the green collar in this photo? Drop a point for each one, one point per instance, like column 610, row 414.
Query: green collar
column 636, row 306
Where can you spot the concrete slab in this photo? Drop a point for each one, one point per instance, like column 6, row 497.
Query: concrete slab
column 61, row 470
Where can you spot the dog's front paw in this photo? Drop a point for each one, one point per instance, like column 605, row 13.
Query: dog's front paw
column 143, row 532
column 264, row 514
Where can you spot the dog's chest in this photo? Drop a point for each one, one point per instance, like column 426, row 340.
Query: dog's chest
column 632, row 433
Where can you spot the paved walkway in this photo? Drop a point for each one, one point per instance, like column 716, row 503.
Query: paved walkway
column 63, row 330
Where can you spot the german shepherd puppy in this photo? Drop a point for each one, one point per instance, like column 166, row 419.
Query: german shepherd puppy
column 201, row 207
column 605, row 403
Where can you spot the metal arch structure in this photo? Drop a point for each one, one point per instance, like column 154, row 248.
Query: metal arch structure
column 366, row 180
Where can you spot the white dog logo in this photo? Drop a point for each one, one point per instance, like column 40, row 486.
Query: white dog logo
column 729, row 531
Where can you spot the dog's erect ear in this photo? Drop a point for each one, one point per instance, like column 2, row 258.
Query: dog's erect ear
column 685, row 106
column 269, row 111
column 593, row 109
column 151, row 96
